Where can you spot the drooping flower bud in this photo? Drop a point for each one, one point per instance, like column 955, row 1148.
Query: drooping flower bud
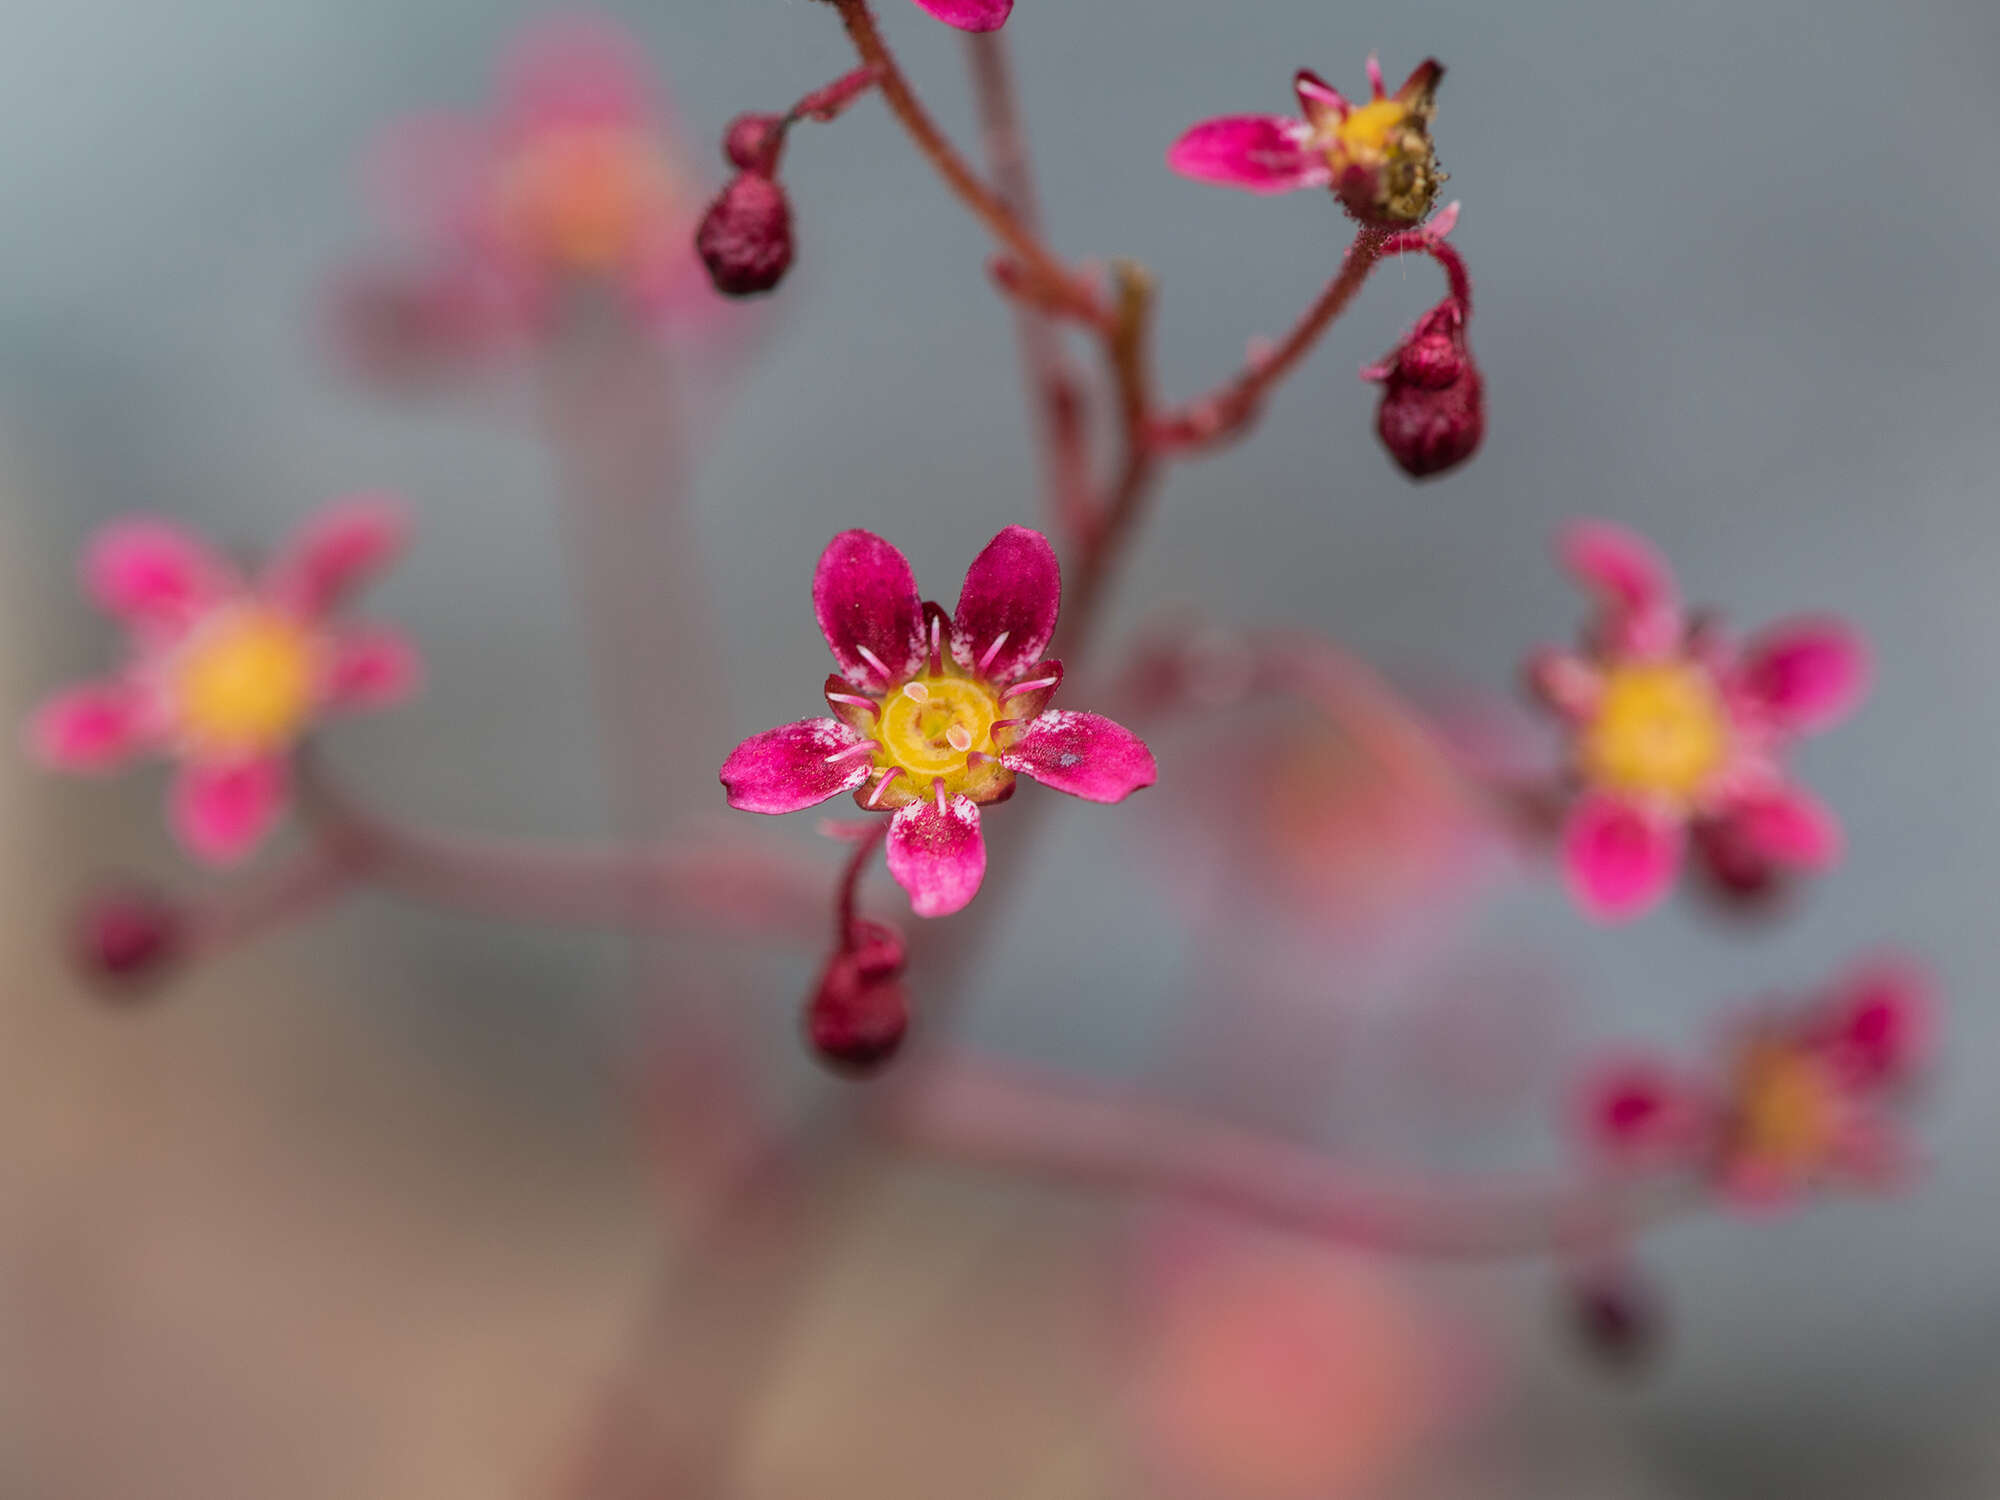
column 745, row 239
column 857, row 1017
column 127, row 936
column 1617, row 1318
column 1433, row 410
column 753, row 141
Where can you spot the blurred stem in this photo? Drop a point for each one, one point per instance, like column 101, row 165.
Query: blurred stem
column 1038, row 1124
column 1055, row 393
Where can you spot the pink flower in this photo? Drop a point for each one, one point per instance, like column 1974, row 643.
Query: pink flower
column 575, row 180
column 1799, row 1097
column 970, row 15
column 1376, row 157
column 226, row 674
column 935, row 714
column 1673, row 727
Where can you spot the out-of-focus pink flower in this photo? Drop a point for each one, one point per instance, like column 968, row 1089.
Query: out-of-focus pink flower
column 935, row 714
column 1272, row 1369
column 574, row 180
column 1800, row 1096
column 1672, row 726
column 1376, row 157
column 971, row 15
column 225, row 674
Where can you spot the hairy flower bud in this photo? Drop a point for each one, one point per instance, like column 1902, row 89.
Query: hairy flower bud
column 753, row 141
column 127, row 935
column 857, row 1017
column 745, row 239
column 1433, row 410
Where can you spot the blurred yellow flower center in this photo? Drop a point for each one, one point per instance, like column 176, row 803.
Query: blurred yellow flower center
column 931, row 725
column 1788, row 1104
column 1368, row 127
column 585, row 198
column 1660, row 730
column 245, row 682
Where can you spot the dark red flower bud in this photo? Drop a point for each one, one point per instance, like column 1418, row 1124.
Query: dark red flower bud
column 745, row 239
column 753, row 141
column 127, row 936
column 858, row 1016
column 1433, row 410
column 1737, row 875
column 1618, row 1320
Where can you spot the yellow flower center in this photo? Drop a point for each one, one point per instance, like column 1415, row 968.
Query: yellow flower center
column 1788, row 1105
column 584, row 198
column 1660, row 730
column 931, row 727
column 1391, row 138
column 244, row 683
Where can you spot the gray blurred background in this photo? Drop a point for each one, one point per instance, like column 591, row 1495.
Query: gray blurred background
column 1734, row 287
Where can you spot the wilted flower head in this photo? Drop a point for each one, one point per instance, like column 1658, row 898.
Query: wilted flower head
column 935, row 714
column 227, row 673
column 1376, row 157
column 1799, row 1097
column 1672, row 725
column 575, row 179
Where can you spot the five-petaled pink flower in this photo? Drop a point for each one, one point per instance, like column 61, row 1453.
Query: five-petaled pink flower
column 1672, row 726
column 226, row 673
column 1376, row 157
column 971, row 15
column 935, row 714
column 1799, row 1097
column 576, row 181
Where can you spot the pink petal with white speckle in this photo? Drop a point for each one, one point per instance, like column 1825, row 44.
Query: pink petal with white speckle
column 795, row 765
column 1007, row 607
column 865, row 598
column 1086, row 755
column 938, row 854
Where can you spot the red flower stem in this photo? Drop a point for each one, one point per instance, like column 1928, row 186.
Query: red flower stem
column 1044, row 1125
column 825, row 103
column 679, row 887
column 1227, row 410
column 845, row 915
column 1055, row 395
column 1050, row 280
column 1447, row 257
column 277, row 898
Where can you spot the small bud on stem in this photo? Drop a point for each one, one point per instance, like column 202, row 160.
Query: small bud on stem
column 127, row 936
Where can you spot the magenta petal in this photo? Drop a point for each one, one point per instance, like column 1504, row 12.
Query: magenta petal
column 1086, row 755
column 1884, row 1023
column 937, row 854
column 970, row 15
column 1007, row 607
column 1258, row 153
column 337, row 551
column 1623, row 568
column 372, row 666
column 1641, row 1112
column 1808, row 674
column 865, row 598
column 149, row 571
column 221, row 811
column 1620, row 857
column 91, row 727
column 1324, row 105
column 795, row 766
column 1788, row 826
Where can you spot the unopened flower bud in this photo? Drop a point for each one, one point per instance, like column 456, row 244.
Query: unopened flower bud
column 753, row 141
column 1618, row 1320
column 127, row 936
column 857, row 1017
column 745, row 239
column 1741, row 878
column 1433, row 410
